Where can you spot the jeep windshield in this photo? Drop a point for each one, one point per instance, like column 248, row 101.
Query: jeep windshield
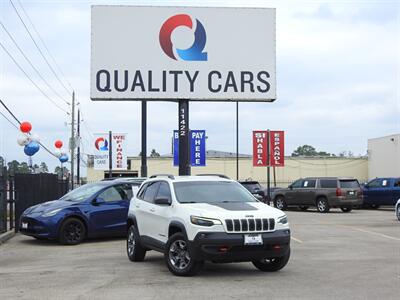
column 211, row 192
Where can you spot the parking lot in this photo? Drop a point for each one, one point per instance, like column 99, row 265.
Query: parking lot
column 334, row 256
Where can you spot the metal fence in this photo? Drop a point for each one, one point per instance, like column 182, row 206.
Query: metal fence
column 20, row 191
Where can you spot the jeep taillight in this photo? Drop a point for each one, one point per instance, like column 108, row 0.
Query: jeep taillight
column 339, row 192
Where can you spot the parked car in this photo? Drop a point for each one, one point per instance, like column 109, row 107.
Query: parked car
column 322, row 192
column 381, row 191
column 256, row 189
column 92, row 210
column 192, row 219
column 397, row 210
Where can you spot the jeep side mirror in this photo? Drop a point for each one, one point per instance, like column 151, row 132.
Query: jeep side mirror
column 162, row 201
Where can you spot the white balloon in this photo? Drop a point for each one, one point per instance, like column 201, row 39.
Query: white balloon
column 57, row 152
column 34, row 137
column 23, row 140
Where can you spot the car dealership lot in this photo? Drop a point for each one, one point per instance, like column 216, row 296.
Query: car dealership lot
column 334, row 256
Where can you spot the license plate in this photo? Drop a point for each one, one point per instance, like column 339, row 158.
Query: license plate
column 253, row 239
column 24, row 225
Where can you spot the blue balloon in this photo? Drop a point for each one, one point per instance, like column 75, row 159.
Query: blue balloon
column 31, row 148
column 63, row 158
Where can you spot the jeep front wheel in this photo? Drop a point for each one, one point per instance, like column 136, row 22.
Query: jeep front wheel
column 177, row 257
column 134, row 249
column 272, row 264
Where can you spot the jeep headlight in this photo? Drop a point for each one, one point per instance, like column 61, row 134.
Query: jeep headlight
column 51, row 213
column 283, row 220
column 201, row 221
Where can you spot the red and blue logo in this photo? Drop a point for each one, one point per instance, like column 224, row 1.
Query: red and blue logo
column 194, row 52
column 101, row 144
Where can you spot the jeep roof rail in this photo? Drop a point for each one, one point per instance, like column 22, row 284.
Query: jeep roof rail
column 170, row 176
column 218, row 175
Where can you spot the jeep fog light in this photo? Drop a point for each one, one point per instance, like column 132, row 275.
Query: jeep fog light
column 204, row 221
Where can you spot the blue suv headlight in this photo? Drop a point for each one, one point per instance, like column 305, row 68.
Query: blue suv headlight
column 51, row 213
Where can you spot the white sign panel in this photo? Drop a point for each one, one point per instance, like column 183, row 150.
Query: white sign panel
column 101, row 156
column 174, row 53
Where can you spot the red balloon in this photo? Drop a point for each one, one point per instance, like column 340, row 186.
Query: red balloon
column 25, row 127
column 58, row 144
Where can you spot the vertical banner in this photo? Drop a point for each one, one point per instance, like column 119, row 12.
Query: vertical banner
column 197, row 147
column 101, row 157
column 277, row 146
column 260, row 148
column 176, row 148
column 118, row 151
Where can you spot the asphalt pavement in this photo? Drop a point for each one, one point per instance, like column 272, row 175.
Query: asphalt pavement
column 334, row 256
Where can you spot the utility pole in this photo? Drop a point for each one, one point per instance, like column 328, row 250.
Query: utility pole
column 78, row 154
column 72, row 139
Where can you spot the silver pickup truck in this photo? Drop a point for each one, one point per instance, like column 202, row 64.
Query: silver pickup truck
column 322, row 192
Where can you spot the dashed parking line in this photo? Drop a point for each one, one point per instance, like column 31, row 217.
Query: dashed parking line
column 371, row 232
column 297, row 240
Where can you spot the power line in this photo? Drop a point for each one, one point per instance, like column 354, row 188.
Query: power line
column 44, row 44
column 33, row 67
column 11, row 113
column 31, row 80
column 37, row 47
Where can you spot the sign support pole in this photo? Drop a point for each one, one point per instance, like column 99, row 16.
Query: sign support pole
column 110, row 154
column 143, row 168
column 183, row 125
column 268, row 167
column 237, row 140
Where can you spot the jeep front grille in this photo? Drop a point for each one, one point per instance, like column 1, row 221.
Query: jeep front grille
column 247, row 225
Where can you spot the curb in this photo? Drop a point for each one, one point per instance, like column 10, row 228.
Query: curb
column 4, row 237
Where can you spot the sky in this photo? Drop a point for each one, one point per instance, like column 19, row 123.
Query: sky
column 338, row 80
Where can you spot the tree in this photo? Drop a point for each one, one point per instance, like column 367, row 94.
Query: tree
column 61, row 172
column 154, row 153
column 1, row 161
column 44, row 167
column 307, row 150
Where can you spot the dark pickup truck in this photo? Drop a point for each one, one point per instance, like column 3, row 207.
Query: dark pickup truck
column 381, row 191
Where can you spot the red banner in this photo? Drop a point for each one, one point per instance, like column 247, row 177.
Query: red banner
column 260, row 148
column 277, row 146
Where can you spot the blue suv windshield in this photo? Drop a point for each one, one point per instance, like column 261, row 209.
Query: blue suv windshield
column 211, row 192
column 82, row 193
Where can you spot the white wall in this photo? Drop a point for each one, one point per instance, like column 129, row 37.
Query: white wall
column 384, row 156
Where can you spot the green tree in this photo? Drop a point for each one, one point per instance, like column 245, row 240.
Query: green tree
column 305, row 150
column 1, row 161
column 44, row 167
column 61, row 172
column 154, row 153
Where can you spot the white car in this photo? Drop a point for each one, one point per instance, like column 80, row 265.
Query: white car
column 196, row 218
column 397, row 210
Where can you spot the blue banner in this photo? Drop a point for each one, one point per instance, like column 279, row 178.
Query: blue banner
column 197, row 148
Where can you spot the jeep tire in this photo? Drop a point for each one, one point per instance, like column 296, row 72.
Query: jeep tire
column 134, row 249
column 177, row 256
column 272, row 264
column 322, row 205
column 280, row 203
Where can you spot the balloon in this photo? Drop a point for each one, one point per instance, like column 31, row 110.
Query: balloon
column 31, row 148
column 22, row 140
column 25, row 127
column 58, row 144
column 34, row 137
column 57, row 153
column 63, row 158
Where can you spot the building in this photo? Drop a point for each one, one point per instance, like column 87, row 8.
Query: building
column 384, row 156
column 225, row 163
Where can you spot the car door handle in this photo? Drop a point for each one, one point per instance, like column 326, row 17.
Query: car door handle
column 152, row 209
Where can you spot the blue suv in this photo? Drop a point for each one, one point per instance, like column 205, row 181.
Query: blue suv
column 92, row 210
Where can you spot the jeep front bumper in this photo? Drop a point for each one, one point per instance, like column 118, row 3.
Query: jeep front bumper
column 230, row 247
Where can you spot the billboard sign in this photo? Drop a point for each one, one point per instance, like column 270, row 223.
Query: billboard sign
column 197, row 147
column 275, row 141
column 101, row 155
column 196, row 53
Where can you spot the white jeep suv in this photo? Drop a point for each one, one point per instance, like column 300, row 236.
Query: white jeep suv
column 196, row 218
